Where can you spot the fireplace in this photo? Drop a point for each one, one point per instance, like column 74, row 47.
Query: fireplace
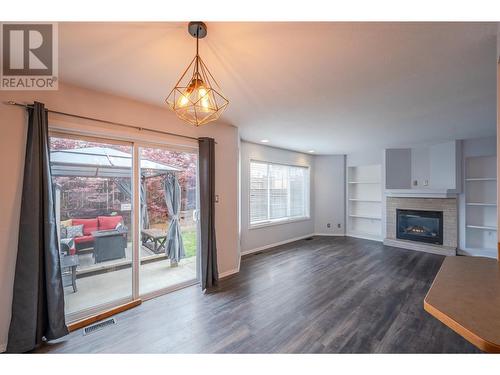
column 421, row 226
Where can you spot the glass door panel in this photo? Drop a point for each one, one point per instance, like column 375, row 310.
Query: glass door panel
column 92, row 182
column 169, row 218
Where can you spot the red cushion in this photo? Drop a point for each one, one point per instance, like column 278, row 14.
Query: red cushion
column 84, row 239
column 89, row 225
column 108, row 222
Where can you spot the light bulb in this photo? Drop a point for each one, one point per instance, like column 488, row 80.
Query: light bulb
column 183, row 101
column 202, row 94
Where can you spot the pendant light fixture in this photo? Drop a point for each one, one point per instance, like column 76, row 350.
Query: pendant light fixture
column 196, row 98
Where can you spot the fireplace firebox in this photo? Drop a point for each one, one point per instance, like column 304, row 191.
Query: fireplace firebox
column 421, row 226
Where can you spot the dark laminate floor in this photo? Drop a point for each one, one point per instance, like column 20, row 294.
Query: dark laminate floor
column 326, row 295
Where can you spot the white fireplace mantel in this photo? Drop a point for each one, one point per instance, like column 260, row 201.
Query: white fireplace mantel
column 421, row 193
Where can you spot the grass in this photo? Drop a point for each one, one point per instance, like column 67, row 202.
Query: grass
column 189, row 240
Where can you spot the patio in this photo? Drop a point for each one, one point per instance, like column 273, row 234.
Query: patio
column 114, row 281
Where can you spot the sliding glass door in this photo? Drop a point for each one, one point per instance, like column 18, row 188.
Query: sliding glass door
column 91, row 181
column 113, row 251
column 169, row 218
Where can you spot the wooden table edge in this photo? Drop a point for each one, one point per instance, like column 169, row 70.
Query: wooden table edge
column 483, row 344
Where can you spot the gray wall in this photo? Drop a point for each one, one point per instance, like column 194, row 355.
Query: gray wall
column 398, row 171
column 258, row 238
column 329, row 194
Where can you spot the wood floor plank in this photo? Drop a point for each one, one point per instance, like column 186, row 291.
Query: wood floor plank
column 325, row 295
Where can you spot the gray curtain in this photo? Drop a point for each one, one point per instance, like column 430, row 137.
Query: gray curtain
column 38, row 301
column 209, row 272
column 174, row 247
column 125, row 188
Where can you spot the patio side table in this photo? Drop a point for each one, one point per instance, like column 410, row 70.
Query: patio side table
column 68, row 268
column 154, row 239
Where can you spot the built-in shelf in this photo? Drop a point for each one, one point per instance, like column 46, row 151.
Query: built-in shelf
column 481, row 179
column 481, row 204
column 484, row 227
column 365, row 200
column 366, row 217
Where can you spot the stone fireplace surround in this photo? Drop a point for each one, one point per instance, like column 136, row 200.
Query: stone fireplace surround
column 450, row 223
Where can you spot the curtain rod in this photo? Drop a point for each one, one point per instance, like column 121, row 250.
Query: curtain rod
column 140, row 128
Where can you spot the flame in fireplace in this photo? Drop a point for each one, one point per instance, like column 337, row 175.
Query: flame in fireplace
column 417, row 229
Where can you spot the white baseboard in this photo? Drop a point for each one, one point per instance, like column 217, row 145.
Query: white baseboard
column 228, row 273
column 330, row 234
column 275, row 244
column 365, row 237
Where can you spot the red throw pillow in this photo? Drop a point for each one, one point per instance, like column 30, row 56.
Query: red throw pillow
column 108, row 222
column 89, row 225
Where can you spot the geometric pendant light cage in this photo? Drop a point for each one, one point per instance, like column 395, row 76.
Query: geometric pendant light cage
column 197, row 98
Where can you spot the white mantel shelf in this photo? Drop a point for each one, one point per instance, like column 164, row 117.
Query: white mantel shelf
column 421, row 193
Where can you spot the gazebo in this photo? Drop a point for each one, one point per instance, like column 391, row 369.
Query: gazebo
column 116, row 165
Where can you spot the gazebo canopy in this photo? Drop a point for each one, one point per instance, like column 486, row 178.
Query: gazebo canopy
column 101, row 162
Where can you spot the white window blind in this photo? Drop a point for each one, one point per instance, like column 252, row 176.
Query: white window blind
column 278, row 192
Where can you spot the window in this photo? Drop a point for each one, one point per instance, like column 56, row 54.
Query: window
column 278, row 192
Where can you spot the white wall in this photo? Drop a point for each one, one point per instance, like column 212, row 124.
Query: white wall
column 259, row 238
column 329, row 194
column 114, row 108
column 365, row 157
column 443, row 166
column 420, row 166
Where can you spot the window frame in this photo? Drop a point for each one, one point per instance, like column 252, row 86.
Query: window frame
column 288, row 219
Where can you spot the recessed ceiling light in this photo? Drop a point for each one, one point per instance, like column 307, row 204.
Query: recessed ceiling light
column 265, row 140
column 311, row 151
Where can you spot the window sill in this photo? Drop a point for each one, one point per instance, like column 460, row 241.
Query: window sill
column 278, row 222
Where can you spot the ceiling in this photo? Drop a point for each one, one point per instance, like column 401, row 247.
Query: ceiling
column 330, row 87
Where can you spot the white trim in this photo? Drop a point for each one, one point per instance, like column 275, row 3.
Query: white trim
column 229, row 273
column 271, row 223
column 160, row 292
column 371, row 237
column 265, row 247
column 330, row 234
column 487, row 253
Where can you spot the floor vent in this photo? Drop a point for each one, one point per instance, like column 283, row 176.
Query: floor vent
column 308, row 239
column 98, row 326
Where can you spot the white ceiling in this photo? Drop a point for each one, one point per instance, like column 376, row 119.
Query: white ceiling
column 330, row 87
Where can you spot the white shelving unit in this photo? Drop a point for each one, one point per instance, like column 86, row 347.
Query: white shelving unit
column 364, row 201
column 481, row 206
